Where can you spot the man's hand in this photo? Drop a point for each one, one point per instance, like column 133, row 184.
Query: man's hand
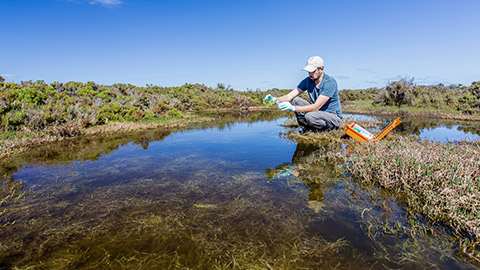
column 270, row 98
column 286, row 106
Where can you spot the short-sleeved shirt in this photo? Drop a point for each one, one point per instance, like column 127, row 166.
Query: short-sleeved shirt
column 328, row 87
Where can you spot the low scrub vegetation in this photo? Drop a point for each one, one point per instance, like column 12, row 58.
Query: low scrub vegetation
column 404, row 93
column 37, row 105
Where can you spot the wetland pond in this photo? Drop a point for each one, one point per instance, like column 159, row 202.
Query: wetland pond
column 222, row 195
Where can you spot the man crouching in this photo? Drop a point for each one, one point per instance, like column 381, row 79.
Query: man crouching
column 325, row 113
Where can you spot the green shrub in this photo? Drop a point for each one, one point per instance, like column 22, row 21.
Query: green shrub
column 451, row 100
column 397, row 93
column 30, row 96
column 161, row 107
column 200, row 104
column 466, row 100
column 131, row 112
column 174, row 113
column 16, row 118
column 105, row 94
column 475, row 89
column 149, row 114
column 87, row 91
column 109, row 112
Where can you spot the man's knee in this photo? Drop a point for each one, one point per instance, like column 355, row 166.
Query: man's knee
column 317, row 122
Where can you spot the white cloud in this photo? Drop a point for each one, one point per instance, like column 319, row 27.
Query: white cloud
column 7, row 75
column 108, row 3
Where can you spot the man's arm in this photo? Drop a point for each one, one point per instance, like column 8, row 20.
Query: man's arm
column 291, row 95
column 321, row 100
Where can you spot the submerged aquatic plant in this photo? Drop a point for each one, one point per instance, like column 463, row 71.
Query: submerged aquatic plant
column 11, row 192
column 170, row 224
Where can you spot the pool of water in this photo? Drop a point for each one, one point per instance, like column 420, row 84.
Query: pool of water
column 444, row 134
column 224, row 196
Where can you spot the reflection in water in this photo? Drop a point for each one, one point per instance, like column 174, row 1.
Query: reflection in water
column 289, row 170
column 446, row 134
column 302, row 152
column 202, row 198
column 315, row 194
column 91, row 148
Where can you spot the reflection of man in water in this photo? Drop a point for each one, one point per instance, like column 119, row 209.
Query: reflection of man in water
column 316, row 189
column 301, row 152
column 315, row 193
column 325, row 111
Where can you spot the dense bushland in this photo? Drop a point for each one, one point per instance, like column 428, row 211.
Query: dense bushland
column 37, row 105
column 451, row 98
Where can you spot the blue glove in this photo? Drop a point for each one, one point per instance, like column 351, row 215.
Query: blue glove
column 286, row 106
column 270, row 98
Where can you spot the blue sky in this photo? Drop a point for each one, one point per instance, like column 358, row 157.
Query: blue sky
column 245, row 44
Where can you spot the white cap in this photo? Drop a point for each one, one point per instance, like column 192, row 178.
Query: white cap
column 313, row 63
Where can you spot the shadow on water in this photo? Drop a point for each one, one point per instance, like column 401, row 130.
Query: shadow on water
column 232, row 194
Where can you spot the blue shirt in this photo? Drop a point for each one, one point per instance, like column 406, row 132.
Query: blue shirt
column 328, row 87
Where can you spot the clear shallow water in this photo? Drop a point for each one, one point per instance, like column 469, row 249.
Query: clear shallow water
column 221, row 196
column 239, row 148
column 448, row 134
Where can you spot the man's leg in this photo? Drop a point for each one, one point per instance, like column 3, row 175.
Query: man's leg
column 298, row 101
column 323, row 120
